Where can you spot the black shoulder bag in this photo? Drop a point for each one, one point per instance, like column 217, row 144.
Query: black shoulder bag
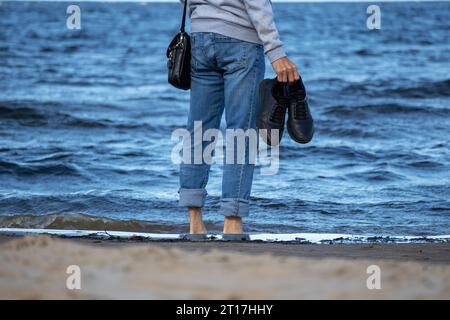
column 179, row 57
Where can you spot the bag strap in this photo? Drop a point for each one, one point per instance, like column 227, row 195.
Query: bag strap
column 183, row 20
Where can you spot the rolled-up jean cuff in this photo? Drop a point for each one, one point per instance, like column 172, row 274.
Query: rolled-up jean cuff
column 234, row 207
column 192, row 197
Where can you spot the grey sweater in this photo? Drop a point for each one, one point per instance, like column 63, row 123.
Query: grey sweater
column 248, row 20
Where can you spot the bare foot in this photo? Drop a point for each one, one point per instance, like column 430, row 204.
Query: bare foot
column 196, row 225
column 233, row 225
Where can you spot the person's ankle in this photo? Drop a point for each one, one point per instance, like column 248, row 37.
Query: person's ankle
column 233, row 225
column 196, row 224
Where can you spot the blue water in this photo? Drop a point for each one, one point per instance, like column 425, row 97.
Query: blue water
column 86, row 117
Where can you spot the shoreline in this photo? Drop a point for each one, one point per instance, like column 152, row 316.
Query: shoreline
column 295, row 238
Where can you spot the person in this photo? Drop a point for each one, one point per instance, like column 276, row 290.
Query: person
column 228, row 41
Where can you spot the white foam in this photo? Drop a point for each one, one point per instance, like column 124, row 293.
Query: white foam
column 266, row 237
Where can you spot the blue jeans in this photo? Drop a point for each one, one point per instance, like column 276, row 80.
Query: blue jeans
column 226, row 73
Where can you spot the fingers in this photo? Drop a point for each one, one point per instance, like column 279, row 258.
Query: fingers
column 291, row 75
column 295, row 75
column 282, row 74
column 288, row 74
column 286, row 70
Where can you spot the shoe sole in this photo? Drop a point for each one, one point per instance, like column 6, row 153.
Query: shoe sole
column 296, row 139
column 263, row 87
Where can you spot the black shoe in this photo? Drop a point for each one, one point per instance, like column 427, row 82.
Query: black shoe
column 272, row 109
column 300, row 122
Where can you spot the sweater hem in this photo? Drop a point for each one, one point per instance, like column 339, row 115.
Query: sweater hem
column 225, row 28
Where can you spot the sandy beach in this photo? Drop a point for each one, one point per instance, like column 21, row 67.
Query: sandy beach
column 35, row 268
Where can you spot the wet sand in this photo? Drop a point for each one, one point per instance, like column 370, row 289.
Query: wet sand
column 35, row 267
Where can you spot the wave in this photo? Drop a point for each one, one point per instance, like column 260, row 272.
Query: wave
column 110, row 82
column 24, row 115
column 54, row 169
column 364, row 52
column 423, row 90
column 85, row 222
column 337, row 152
column 375, row 175
column 20, row 113
column 426, row 90
column 111, row 203
column 383, row 109
column 336, row 131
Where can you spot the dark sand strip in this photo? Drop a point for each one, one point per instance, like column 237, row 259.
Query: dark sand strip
column 425, row 252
